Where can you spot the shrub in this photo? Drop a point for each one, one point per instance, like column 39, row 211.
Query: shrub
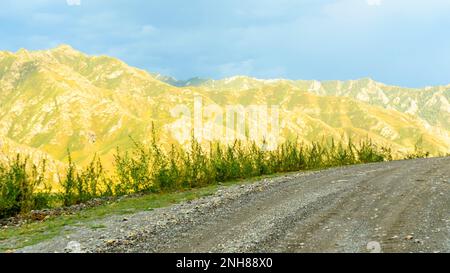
column 151, row 168
column 19, row 181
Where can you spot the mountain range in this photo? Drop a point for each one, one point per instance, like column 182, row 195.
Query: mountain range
column 59, row 99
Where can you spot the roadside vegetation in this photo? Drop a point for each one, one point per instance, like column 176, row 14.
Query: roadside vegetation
column 24, row 185
column 18, row 236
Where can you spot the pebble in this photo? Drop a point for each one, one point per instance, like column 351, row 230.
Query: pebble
column 73, row 247
column 374, row 247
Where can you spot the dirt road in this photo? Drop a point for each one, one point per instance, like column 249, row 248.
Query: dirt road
column 401, row 206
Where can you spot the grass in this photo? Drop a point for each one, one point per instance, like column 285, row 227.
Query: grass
column 153, row 168
column 13, row 238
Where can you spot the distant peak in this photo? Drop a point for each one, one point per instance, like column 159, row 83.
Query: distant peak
column 237, row 77
column 22, row 51
column 65, row 48
column 368, row 79
column 365, row 80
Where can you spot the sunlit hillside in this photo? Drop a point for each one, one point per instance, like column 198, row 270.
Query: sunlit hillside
column 62, row 99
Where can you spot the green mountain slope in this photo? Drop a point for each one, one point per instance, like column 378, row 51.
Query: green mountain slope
column 431, row 104
column 57, row 99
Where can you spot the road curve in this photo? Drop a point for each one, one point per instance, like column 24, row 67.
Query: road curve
column 401, row 206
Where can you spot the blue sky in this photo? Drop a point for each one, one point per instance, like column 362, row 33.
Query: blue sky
column 402, row 42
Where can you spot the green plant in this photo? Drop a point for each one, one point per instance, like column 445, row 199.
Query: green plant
column 419, row 152
column 19, row 181
column 151, row 168
column 69, row 183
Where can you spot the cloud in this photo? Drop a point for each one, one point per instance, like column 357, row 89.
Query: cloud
column 48, row 18
column 148, row 29
column 374, row 2
column 323, row 39
column 73, row 2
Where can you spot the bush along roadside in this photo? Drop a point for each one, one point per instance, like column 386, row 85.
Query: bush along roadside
column 153, row 169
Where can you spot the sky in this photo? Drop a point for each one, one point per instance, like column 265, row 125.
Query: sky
column 399, row 42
